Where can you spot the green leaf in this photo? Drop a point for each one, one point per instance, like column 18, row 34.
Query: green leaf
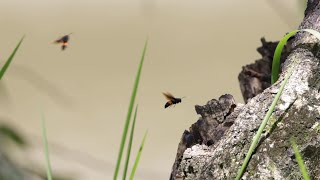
column 299, row 159
column 46, row 149
column 277, row 55
column 275, row 75
column 136, row 162
column 129, row 145
column 279, row 48
column 256, row 138
column 6, row 65
column 130, row 109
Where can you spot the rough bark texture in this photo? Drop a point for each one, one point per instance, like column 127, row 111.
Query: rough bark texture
column 216, row 117
column 256, row 77
column 218, row 151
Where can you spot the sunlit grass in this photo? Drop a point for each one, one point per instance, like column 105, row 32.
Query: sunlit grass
column 275, row 76
column 299, row 159
column 277, row 53
column 129, row 145
column 136, row 162
column 46, row 149
column 130, row 109
column 8, row 62
column 256, row 138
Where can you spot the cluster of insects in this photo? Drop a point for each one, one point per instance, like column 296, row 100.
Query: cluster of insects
column 64, row 41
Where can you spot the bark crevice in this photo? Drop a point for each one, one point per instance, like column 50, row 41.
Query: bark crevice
column 296, row 115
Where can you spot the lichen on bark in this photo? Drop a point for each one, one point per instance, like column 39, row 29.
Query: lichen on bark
column 296, row 115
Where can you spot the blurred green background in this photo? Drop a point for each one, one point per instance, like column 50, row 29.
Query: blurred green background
column 196, row 49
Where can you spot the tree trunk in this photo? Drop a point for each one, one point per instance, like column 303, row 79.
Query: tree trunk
column 216, row 145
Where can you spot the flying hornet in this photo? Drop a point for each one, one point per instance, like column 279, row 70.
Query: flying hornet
column 171, row 100
column 63, row 41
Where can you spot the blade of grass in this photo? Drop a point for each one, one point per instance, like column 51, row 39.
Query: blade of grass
column 277, row 53
column 136, row 162
column 299, row 159
column 130, row 145
column 131, row 104
column 275, row 70
column 256, row 138
column 6, row 65
column 46, row 149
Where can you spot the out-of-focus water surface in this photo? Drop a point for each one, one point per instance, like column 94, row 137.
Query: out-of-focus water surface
column 196, row 49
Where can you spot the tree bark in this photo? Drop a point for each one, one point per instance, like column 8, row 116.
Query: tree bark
column 256, row 77
column 216, row 145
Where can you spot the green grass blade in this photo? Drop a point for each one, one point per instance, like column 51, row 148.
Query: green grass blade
column 129, row 145
column 275, row 69
column 6, row 65
column 46, row 149
column 299, row 159
column 136, row 162
column 277, row 53
column 256, row 138
column 131, row 104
